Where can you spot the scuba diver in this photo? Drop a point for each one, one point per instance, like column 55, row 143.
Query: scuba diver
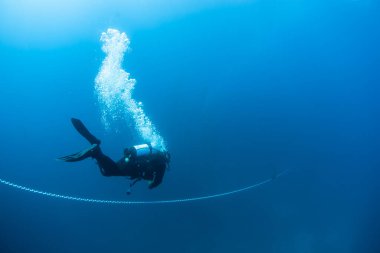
column 140, row 162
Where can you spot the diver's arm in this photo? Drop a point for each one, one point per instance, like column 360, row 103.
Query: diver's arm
column 157, row 177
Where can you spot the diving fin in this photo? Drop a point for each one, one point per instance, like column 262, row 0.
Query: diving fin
column 79, row 156
column 81, row 128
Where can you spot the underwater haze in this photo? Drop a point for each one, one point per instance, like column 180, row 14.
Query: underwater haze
column 236, row 91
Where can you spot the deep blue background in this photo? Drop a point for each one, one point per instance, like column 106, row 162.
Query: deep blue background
column 238, row 92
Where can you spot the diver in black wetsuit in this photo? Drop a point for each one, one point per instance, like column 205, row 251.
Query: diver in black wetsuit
column 139, row 162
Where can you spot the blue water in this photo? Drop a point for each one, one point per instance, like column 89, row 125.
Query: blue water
column 238, row 90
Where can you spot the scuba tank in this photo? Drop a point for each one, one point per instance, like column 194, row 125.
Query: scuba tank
column 142, row 155
column 142, row 150
column 137, row 152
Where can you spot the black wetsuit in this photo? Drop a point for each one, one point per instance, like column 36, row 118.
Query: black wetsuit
column 148, row 167
column 139, row 162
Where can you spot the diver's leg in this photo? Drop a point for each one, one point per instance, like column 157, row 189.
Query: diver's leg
column 106, row 165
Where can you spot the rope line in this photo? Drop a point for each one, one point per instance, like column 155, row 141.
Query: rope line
column 124, row 202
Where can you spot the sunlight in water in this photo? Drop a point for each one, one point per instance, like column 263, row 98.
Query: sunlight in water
column 114, row 88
